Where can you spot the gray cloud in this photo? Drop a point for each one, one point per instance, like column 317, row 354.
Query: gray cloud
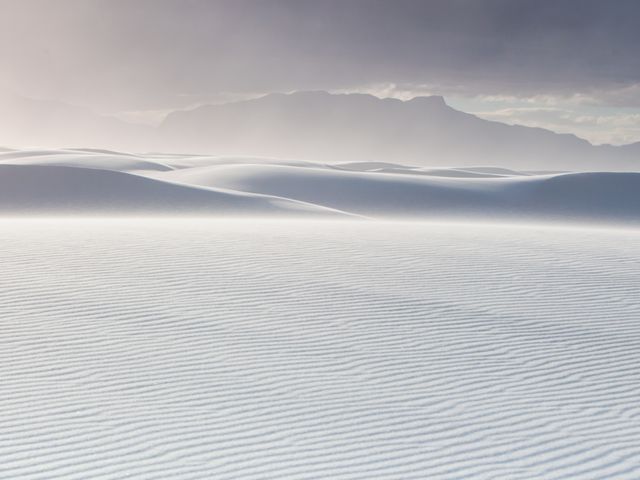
column 130, row 55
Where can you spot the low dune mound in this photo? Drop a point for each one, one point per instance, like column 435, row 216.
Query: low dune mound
column 84, row 158
column 45, row 189
column 591, row 194
column 358, row 192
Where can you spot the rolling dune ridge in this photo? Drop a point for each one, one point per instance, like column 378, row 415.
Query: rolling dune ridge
column 76, row 181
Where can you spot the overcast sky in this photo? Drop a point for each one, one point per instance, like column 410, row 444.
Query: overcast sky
column 570, row 65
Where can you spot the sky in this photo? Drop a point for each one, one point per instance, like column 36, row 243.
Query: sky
column 568, row 65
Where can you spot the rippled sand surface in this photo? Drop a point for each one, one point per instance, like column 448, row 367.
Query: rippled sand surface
column 199, row 349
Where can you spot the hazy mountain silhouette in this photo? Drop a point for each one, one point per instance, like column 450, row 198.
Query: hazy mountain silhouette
column 357, row 127
column 26, row 122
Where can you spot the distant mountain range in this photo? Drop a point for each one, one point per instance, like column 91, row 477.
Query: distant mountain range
column 323, row 127
column 354, row 127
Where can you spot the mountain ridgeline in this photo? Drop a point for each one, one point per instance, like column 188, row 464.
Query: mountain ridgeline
column 424, row 131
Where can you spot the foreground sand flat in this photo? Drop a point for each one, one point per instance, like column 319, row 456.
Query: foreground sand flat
column 190, row 349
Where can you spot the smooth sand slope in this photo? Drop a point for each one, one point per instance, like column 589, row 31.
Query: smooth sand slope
column 57, row 184
column 71, row 181
column 313, row 350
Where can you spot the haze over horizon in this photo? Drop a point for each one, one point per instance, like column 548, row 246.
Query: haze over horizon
column 569, row 66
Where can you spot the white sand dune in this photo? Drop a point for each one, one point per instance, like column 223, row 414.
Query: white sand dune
column 96, row 180
column 444, row 172
column 83, row 158
column 580, row 196
column 306, row 350
column 45, row 189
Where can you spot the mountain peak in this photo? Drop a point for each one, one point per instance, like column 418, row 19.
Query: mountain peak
column 431, row 100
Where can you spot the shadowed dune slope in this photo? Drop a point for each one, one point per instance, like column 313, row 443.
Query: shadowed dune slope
column 45, row 189
column 584, row 196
